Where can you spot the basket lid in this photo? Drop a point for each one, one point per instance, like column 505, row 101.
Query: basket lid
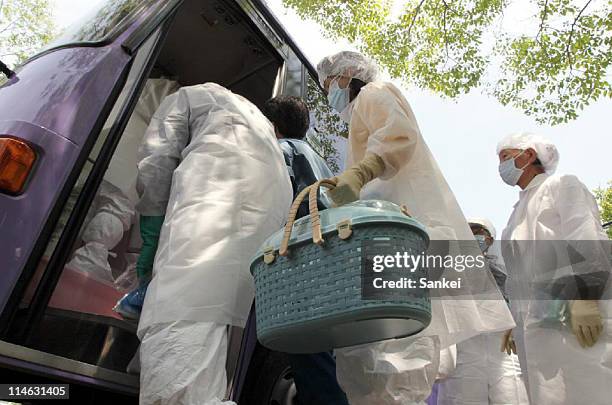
column 358, row 212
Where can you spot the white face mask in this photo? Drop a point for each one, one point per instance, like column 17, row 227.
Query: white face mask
column 482, row 242
column 338, row 98
column 508, row 171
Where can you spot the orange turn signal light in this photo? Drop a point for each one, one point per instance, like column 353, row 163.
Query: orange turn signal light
column 16, row 162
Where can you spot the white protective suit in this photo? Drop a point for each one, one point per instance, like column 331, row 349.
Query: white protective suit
column 448, row 362
column 123, row 168
column 484, row 375
column 403, row 371
column 557, row 369
column 214, row 157
column 112, row 212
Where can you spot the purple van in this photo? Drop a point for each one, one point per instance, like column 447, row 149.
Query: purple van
column 64, row 117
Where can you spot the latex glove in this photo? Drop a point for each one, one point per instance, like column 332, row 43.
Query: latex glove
column 508, row 344
column 352, row 180
column 586, row 322
column 150, row 228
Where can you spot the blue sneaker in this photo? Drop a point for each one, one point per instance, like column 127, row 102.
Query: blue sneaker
column 130, row 306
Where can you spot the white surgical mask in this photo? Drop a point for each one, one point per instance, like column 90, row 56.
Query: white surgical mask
column 482, row 242
column 508, row 171
column 338, row 98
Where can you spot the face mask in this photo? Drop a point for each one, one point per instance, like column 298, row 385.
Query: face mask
column 508, row 171
column 338, row 98
column 482, row 242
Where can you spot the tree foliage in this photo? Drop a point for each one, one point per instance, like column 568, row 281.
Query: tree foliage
column 454, row 46
column 604, row 201
column 325, row 123
column 25, row 27
column 564, row 67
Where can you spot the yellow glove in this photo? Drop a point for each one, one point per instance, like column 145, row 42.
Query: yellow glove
column 508, row 344
column 585, row 320
column 352, row 180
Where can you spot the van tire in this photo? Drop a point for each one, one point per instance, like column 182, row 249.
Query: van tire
column 269, row 380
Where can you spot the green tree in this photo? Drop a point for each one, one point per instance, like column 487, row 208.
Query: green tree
column 604, row 201
column 454, row 46
column 25, row 27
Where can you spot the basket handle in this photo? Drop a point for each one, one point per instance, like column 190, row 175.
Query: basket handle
column 313, row 208
column 315, row 219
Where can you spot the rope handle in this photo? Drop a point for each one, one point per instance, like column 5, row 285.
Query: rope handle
column 315, row 218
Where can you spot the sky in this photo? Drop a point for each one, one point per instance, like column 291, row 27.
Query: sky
column 462, row 133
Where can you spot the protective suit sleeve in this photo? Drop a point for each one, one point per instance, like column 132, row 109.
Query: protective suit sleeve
column 160, row 153
column 508, row 345
column 578, row 210
column 150, row 228
column 392, row 132
column 581, row 227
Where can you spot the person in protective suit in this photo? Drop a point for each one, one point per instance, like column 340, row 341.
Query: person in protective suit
column 315, row 374
column 112, row 213
column 558, row 260
column 213, row 187
column 388, row 159
column 483, row 374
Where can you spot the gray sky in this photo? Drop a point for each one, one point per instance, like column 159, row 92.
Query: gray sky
column 463, row 133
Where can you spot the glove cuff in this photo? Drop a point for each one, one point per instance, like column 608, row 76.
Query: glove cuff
column 369, row 168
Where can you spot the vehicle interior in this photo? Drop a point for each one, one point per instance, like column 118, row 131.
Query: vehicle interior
column 214, row 41
column 208, row 41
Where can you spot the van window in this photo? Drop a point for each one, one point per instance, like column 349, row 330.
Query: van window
column 106, row 19
column 294, row 78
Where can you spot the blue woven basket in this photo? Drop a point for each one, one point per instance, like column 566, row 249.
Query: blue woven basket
column 309, row 295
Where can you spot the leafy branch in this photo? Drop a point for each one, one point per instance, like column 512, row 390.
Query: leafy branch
column 571, row 34
column 438, row 45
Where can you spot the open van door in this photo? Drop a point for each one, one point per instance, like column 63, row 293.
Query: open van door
column 67, row 107
column 57, row 104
